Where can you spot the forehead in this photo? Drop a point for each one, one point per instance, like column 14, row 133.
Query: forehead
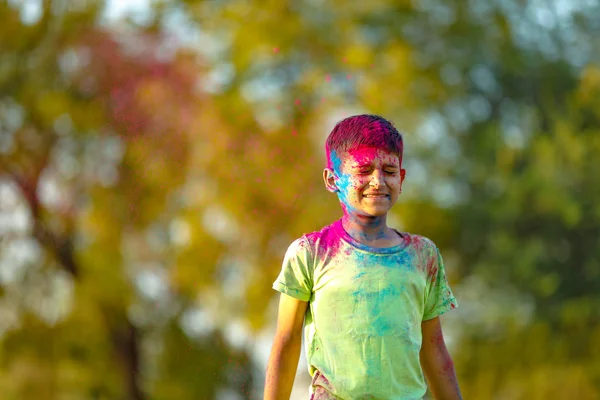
column 369, row 155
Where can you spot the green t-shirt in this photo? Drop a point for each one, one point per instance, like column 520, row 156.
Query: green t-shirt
column 362, row 328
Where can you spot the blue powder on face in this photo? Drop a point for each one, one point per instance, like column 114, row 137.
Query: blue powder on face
column 343, row 181
column 336, row 162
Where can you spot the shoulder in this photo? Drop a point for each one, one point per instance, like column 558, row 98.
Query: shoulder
column 298, row 246
column 324, row 232
column 420, row 243
column 323, row 237
column 309, row 241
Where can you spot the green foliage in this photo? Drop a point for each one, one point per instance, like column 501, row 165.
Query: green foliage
column 98, row 150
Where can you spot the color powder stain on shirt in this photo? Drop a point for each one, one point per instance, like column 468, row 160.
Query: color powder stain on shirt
column 362, row 329
column 402, row 256
column 402, row 260
column 329, row 243
column 360, row 275
column 374, row 304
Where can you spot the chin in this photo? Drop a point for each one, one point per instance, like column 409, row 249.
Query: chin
column 375, row 213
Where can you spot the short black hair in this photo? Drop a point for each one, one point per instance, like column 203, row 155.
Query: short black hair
column 365, row 130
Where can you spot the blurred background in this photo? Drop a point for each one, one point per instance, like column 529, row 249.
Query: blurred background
column 157, row 157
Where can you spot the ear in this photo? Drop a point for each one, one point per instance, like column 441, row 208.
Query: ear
column 329, row 178
column 402, row 176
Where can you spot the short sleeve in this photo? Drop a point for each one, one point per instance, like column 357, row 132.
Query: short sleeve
column 439, row 297
column 295, row 278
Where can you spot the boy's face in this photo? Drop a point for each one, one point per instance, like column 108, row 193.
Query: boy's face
column 367, row 180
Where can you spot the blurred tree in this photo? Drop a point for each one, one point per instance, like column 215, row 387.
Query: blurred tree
column 97, row 127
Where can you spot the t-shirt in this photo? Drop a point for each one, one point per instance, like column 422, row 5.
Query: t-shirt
column 362, row 328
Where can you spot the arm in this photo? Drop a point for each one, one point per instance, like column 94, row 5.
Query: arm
column 283, row 362
column 437, row 363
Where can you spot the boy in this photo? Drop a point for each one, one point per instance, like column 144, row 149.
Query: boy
column 369, row 296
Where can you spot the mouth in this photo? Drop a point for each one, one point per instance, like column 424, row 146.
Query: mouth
column 376, row 196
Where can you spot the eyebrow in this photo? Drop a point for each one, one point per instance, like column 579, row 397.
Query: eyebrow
column 361, row 166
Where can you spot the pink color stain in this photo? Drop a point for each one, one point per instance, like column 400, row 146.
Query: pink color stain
column 275, row 50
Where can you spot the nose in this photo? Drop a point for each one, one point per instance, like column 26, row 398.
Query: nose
column 377, row 179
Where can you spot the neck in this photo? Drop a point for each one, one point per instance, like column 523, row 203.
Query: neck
column 365, row 229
